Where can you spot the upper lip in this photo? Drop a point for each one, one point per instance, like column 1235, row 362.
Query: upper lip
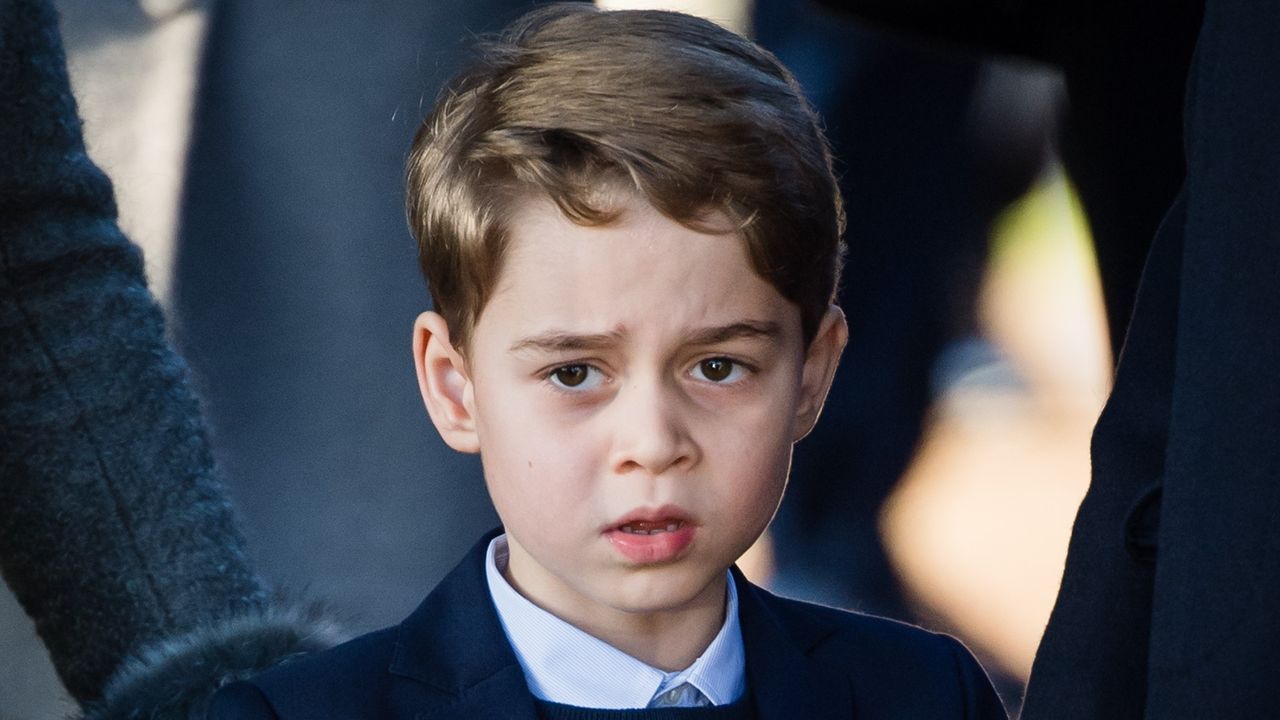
column 666, row 513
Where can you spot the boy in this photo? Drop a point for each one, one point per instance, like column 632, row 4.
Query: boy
column 631, row 232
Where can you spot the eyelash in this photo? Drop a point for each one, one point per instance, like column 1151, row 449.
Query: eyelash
column 550, row 377
column 736, row 370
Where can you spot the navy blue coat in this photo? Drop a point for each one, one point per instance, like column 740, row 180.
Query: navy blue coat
column 450, row 659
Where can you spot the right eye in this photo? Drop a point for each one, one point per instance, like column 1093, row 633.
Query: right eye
column 576, row 377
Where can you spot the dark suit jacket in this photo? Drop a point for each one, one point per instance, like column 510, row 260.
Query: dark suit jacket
column 450, row 659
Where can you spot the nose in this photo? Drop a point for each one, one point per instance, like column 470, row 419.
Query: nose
column 651, row 430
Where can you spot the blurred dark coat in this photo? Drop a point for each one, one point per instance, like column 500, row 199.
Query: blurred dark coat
column 1167, row 604
column 1167, row 608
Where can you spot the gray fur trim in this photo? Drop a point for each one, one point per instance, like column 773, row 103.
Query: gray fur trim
column 175, row 678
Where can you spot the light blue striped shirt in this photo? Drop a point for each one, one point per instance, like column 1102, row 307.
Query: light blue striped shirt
column 566, row 665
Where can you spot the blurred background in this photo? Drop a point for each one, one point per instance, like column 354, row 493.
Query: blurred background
column 257, row 152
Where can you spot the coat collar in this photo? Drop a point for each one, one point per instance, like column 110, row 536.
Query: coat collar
column 783, row 677
column 455, row 646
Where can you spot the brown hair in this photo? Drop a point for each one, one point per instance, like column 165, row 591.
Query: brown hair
column 571, row 99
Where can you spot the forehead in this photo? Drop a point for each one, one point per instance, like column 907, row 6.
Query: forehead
column 643, row 275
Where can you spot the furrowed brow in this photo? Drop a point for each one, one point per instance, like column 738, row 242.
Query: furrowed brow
column 749, row 330
column 556, row 341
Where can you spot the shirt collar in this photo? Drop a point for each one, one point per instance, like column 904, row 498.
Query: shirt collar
column 566, row 665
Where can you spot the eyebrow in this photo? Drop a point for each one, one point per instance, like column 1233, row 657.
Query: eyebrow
column 560, row 341
column 750, row 330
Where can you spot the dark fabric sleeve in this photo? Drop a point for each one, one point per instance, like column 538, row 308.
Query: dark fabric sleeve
column 115, row 533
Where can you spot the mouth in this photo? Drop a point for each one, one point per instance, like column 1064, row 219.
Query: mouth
column 648, row 528
column 652, row 521
column 652, row 536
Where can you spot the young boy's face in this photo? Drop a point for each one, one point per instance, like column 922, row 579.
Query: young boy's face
column 634, row 391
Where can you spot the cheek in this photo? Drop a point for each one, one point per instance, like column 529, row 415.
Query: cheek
column 535, row 466
column 755, row 455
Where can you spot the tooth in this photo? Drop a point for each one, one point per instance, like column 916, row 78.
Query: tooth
column 672, row 527
column 627, row 529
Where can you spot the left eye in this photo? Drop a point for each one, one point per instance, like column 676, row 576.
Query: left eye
column 718, row 370
column 576, row 377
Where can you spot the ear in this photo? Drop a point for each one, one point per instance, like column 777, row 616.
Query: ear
column 444, row 383
column 820, row 362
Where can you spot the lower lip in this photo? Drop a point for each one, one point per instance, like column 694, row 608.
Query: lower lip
column 650, row 549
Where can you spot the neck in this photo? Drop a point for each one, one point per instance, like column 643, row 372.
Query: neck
column 667, row 640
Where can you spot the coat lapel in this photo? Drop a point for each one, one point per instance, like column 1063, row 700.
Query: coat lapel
column 454, row 648
column 453, row 644
column 782, row 676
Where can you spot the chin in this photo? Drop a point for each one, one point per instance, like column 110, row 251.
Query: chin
column 661, row 589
